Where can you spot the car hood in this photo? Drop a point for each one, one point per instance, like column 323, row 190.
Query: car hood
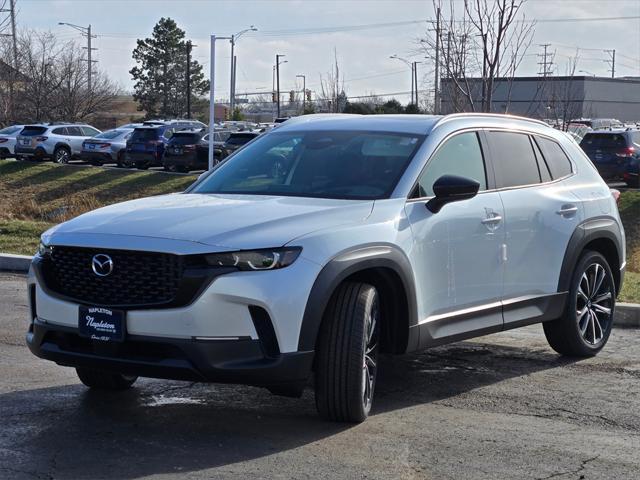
column 221, row 221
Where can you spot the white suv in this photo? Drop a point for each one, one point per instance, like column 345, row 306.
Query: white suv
column 327, row 241
column 58, row 142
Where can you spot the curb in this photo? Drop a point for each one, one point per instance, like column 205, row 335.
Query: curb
column 626, row 315
column 14, row 263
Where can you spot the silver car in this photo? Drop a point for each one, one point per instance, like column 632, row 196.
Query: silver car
column 107, row 147
column 59, row 142
column 8, row 140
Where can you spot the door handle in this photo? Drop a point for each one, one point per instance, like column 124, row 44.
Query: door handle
column 492, row 220
column 567, row 210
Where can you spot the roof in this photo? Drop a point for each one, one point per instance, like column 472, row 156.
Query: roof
column 7, row 71
column 407, row 123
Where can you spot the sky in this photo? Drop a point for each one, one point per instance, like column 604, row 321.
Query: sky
column 308, row 32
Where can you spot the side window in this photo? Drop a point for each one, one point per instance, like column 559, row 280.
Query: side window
column 513, row 159
column 557, row 160
column 461, row 155
column 74, row 131
column 89, row 132
column 59, row 131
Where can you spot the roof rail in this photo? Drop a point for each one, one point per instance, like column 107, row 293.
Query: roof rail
column 453, row 116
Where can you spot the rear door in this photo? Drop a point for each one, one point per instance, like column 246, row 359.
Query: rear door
column 540, row 214
column 76, row 137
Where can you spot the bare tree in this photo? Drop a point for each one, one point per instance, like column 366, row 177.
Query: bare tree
column 332, row 96
column 564, row 98
column 484, row 42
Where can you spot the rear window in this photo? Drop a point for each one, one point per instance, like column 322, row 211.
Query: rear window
column 10, row 130
column 33, row 131
column 239, row 138
column 110, row 134
column 144, row 134
column 603, row 141
column 635, row 138
column 184, row 139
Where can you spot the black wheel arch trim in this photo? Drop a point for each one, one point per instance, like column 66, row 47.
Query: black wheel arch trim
column 595, row 228
column 346, row 264
column 61, row 145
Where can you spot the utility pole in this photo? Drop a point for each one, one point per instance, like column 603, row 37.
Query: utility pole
column 189, row 47
column 86, row 31
column 415, row 74
column 304, row 91
column 12, row 77
column 484, row 73
column 436, row 83
column 612, row 62
column 546, row 64
column 278, row 82
column 232, row 87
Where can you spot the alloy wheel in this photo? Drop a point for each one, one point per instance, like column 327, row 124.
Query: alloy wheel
column 594, row 304
column 62, row 156
column 370, row 360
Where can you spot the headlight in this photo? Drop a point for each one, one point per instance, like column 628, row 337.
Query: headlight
column 43, row 250
column 255, row 260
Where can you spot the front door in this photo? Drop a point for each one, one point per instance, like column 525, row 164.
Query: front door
column 457, row 252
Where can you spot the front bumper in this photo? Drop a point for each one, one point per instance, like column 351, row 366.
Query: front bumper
column 226, row 361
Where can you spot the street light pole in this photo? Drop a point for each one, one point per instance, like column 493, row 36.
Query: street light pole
column 212, row 102
column 87, row 32
column 232, row 87
column 304, row 91
column 278, row 82
column 412, row 66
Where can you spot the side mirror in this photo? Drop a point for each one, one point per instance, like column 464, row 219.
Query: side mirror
column 451, row 188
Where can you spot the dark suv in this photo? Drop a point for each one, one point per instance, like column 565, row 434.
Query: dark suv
column 146, row 146
column 237, row 140
column 616, row 154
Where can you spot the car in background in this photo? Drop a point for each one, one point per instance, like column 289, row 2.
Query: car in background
column 598, row 123
column 237, row 140
column 145, row 147
column 179, row 124
column 59, row 142
column 107, row 147
column 614, row 153
column 189, row 150
column 8, row 140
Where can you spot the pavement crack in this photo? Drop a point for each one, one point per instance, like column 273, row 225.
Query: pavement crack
column 581, row 468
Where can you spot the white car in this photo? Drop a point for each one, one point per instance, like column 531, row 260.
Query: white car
column 57, row 141
column 327, row 241
column 8, row 140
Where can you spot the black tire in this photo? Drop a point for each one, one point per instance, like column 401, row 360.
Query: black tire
column 348, row 345
column 585, row 326
column 120, row 159
column 61, row 155
column 142, row 166
column 104, row 380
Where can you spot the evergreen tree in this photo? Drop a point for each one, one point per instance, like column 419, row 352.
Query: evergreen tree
column 161, row 73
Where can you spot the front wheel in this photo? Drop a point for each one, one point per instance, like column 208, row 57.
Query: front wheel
column 105, row 380
column 347, row 361
column 585, row 327
column 61, row 155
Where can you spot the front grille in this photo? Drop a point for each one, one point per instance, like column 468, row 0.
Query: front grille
column 137, row 279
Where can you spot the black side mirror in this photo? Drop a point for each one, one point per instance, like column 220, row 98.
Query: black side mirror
column 451, row 188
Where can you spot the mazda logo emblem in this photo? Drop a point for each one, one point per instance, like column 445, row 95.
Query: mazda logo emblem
column 101, row 264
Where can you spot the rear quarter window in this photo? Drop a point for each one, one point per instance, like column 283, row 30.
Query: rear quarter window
column 514, row 159
column 557, row 161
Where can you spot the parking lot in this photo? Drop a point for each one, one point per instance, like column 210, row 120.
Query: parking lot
column 501, row 406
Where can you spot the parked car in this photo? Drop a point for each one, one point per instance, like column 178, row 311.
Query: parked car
column 146, row 145
column 189, row 150
column 182, row 124
column 8, row 140
column 107, row 147
column 237, row 140
column 598, row 123
column 58, row 142
column 614, row 153
column 326, row 242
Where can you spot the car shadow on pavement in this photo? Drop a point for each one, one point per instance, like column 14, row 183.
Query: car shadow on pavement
column 163, row 427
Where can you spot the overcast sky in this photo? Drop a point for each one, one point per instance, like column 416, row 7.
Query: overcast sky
column 363, row 53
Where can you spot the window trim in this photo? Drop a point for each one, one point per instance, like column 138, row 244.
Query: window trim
column 484, row 143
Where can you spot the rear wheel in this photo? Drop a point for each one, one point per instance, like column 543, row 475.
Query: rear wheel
column 105, row 380
column 120, row 159
column 347, row 361
column 585, row 327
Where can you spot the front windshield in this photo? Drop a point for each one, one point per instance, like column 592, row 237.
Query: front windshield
column 346, row 165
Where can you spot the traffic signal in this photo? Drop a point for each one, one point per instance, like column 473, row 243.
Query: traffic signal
column 274, row 97
column 292, row 96
column 308, row 92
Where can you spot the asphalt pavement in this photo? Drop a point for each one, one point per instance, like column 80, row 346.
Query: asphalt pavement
column 499, row 407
